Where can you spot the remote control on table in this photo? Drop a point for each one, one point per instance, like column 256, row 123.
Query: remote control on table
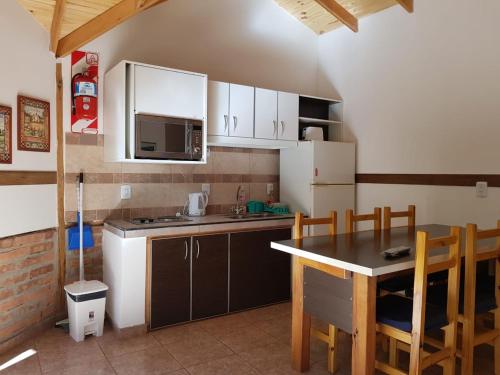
column 396, row 252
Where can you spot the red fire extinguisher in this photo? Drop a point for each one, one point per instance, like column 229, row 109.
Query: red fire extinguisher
column 84, row 96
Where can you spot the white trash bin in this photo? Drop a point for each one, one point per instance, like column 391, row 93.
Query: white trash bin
column 86, row 303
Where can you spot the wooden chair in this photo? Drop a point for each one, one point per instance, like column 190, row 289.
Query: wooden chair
column 481, row 296
column 330, row 338
column 351, row 219
column 404, row 281
column 389, row 215
column 407, row 320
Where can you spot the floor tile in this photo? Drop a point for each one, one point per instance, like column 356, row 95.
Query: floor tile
column 247, row 338
column 101, row 367
column 280, row 329
column 266, row 358
column 223, row 366
column 125, row 345
column 57, row 356
column 154, row 361
column 179, row 333
column 27, row 366
column 193, row 351
column 268, row 313
column 224, row 325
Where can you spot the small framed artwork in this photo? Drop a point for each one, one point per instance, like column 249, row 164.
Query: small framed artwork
column 33, row 124
column 5, row 135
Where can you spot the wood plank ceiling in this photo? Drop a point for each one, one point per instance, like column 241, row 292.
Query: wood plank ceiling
column 322, row 16
column 73, row 23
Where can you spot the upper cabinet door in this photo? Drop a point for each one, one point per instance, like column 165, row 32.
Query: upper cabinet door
column 266, row 113
column 218, row 108
column 241, row 109
column 288, row 116
column 169, row 93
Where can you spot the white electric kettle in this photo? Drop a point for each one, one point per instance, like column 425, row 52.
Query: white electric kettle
column 197, row 204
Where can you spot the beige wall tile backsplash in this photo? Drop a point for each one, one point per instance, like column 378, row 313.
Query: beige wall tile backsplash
column 163, row 189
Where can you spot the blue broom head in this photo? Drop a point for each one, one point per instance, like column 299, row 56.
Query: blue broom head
column 74, row 236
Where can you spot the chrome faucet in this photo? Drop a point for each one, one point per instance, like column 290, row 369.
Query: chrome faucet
column 238, row 209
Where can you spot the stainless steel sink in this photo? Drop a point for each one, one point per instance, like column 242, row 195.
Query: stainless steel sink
column 251, row 216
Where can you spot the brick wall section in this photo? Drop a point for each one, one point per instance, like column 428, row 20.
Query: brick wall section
column 92, row 260
column 28, row 281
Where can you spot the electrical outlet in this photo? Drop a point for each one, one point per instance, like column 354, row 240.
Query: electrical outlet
column 481, row 189
column 205, row 188
column 126, row 192
column 269, row 188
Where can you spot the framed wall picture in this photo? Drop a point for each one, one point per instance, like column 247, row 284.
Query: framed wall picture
column 5, row 135
column 33, row 124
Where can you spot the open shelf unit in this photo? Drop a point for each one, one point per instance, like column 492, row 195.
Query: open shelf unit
column 323, row 113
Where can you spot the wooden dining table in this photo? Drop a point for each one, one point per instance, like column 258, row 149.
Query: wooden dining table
column 335, row 279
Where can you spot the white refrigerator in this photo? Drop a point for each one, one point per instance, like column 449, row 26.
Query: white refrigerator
column 317, row 177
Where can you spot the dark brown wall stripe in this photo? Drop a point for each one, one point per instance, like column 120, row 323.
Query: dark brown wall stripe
column 428, row 179
column 117, row 178
column 27, row 178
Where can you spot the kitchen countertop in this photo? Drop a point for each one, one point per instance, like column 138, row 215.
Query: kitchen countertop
column 201, row 224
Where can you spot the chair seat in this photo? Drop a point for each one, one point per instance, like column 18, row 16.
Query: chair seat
column 485, row 295
column 397, row 311
column 398, row 283
column 405, row 282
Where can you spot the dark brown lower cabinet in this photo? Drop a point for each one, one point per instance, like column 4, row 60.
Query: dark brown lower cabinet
column 259, row 275
column 190, row 276
column 209, row 275
column 170, row 281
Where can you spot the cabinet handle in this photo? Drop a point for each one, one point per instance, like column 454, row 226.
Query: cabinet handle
column 198, row 246
column 226, row 122
column 186, row 246
column 235, row 119
column 282, row 127
column 275, row 123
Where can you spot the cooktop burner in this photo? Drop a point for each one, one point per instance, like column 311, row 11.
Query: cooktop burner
column 161, row 219
column 143, row 220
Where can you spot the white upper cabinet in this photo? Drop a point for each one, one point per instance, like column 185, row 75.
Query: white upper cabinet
column 288, row 116
column 218, row 108
column 266, row 113
column 167, row 92
column 241, row 111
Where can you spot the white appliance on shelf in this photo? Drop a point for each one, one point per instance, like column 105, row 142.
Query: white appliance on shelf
column 317, row 177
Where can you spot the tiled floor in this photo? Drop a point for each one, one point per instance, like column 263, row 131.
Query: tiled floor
column 248, row 343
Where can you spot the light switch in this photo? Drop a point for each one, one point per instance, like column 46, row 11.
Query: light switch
column 269, row 188
column 126, row 192
column 205, row 188
column 481, row 189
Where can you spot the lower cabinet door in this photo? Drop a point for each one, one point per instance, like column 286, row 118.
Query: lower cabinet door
column 209, row 276
column 259, row 275
column 170, row 281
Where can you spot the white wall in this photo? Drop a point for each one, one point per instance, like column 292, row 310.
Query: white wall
column 249, row 42
column 28, row 68
column 421, row 95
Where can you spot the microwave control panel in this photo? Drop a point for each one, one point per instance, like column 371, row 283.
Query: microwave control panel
column 197, row 142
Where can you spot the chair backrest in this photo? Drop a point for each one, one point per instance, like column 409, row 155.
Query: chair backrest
column 301, row 222
column 389, row 215
column 351, row 219
column 452, row 263
column 472, row 257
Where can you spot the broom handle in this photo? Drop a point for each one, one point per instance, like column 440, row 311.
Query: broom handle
column 80, row 209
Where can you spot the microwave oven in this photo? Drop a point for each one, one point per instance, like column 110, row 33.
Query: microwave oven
column 168, row 138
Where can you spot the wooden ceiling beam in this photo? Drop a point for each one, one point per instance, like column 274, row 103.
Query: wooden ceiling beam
column 103, row 23
column 407, row 4
column 339, row 12
column 57, row 20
